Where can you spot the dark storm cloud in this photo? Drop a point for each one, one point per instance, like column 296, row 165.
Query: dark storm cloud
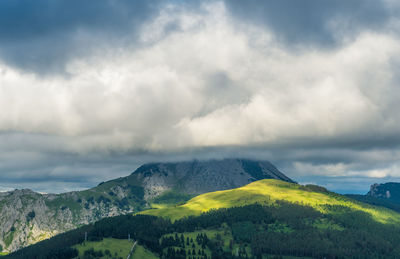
column 317, row 22
column 42, row 35
column 174, row 81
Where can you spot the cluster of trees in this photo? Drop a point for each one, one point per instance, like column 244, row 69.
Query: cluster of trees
column 253, row 226
column 176, row 246
column 178, row 241
column 202, row 240
column 173, row 253
column 180, row 253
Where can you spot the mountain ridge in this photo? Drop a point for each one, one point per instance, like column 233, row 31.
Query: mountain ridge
column 265, row 219
column 27, row 217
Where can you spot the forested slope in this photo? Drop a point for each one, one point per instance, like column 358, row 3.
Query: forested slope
column 265, row 218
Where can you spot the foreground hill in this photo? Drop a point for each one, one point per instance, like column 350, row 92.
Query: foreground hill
column 265, row 219
column 27, row 217
column 267, row 192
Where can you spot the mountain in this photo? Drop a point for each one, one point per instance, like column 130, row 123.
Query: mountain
column 27, row 217
column 390, row 191
column 385, row 195
column 198, row 177
column 264, row 219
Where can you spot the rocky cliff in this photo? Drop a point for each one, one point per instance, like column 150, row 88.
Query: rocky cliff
column 390, row 191
column 27, row 217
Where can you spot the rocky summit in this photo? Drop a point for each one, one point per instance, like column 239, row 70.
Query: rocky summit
column 196, row 177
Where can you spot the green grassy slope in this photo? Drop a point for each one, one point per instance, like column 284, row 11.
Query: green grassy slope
column 267, row 192
column 142, row 253
column 117, row 247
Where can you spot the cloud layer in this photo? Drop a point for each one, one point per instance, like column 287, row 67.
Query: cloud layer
column 92, row 94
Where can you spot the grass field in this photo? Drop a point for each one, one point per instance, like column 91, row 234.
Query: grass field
column 142, row 253
column 117, row 247
column 267, row 192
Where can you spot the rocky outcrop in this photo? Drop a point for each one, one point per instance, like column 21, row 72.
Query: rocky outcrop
column 27, row 217
column 390, row 191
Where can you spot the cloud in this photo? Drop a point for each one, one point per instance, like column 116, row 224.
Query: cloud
column 342, row 170
column 43, row 36
column 143, row 82
column 313, row 22
column 242, row 93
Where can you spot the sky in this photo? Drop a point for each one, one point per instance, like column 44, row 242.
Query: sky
column 90, row 90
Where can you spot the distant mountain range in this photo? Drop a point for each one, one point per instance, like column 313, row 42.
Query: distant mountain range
column 27, row 217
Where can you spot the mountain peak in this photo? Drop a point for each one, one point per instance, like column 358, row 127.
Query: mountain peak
column 200, row 176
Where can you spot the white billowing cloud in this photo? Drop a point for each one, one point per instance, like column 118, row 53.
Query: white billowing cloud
column 337, row 169
column 204, row 79
column 310, row 95
column 346, row 170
